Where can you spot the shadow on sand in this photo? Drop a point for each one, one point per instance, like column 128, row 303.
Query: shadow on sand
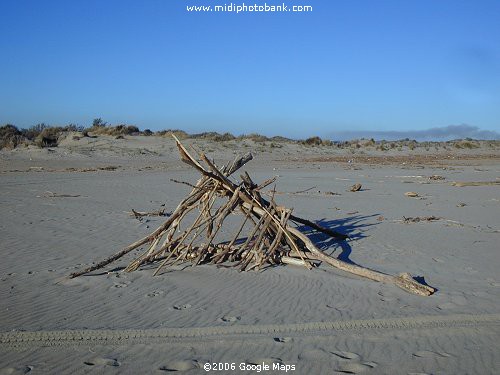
column 353, row 226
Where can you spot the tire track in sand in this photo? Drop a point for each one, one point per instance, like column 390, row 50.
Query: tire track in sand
column 117, row 337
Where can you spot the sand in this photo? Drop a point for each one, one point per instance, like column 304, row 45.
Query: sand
column 61, row 212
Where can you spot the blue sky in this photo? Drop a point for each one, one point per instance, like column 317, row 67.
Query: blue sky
column 347, row 66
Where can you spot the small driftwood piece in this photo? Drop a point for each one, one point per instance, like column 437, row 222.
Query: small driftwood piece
column 139, row 214
column 411, row 194
column 269, row 239
column 355, row 187
column 408, row 220
column 50, row 194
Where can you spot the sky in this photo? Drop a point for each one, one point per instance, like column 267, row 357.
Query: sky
column 347, row 67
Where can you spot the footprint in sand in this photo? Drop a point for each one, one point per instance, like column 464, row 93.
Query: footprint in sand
column 16, row 370
column 351, row 363
column 229, row 319
column 315, row 355
column 182, row 307
column 385, row 298
column 429, row 354
column 355, row 368
column 283, row 339
column 99, row 361
column 446, row 305
column 120, row 285
column 155, row 293
column 347, row 355
column 180, row 366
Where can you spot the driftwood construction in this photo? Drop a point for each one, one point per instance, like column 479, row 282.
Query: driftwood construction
column 264, row 236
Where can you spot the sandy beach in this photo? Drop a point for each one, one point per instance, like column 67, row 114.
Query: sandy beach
column 68, row 206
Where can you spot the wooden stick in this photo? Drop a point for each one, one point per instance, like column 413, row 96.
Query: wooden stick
column 294, row 261
column 403, row 281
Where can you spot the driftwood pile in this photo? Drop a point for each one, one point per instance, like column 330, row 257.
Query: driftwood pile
column 264, row 236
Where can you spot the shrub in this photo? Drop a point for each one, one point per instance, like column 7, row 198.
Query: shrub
column 147, row 132
column 466, row 144
column 313, row 141
column 74, row 128
column 33, row 132
column 278, row 138
column 49, row 137
column 224, row 137
column 181, row 134
column 204, row 135
column 113, row 130
column 10, row 136
column 255, row 137
column 122, row 130
column 99, row 123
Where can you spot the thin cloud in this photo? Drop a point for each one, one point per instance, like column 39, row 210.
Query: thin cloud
column 444, row 133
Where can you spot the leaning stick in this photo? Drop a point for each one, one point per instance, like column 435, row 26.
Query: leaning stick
column 404, row 281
